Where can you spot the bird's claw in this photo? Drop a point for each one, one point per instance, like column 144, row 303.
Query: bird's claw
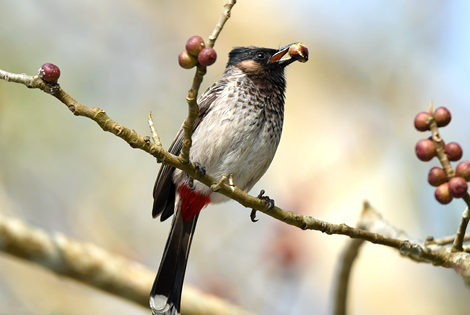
column 268, row 200
column 253, row 216
column 200, row 169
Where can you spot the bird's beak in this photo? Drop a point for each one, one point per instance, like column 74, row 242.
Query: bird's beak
column 280, row 57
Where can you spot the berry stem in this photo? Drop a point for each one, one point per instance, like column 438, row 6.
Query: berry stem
column 441, row 155
column 191, row 98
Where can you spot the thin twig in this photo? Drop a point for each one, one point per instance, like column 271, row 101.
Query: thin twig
column 153, row 130
column 346, row 261
column 445, row 240
column 223, row 18
column 444, row 160
column 193, row 113
column 230, row 181
column 441, row 155
column 216, row 187
column 460, row 236
column 191, row 98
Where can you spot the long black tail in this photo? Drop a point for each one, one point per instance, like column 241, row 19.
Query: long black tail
column 165, row 297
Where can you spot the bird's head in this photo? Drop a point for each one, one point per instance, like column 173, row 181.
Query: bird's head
column 256, row 60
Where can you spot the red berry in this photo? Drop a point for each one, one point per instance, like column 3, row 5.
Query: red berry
column 194, row 45
column 425, row 149
column 298, row 52
column 186, row 60
column 453, row 151
column 207, row 56
column 49, row 72
column 463, row 170
column 421, row 121
column 458, row 187
column 437, row 176
column 442, row 194
column 442, row 116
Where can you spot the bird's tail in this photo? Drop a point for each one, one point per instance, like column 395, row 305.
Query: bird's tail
column 165, row 296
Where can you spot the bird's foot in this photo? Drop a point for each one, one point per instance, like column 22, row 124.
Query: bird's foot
column 253, row 216
column 201, row 170
column 268, row 200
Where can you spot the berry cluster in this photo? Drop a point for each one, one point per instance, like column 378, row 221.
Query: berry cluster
column 196, row 52
column 448, row 185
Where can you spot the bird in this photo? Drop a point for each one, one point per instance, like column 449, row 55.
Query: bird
column 236, row 133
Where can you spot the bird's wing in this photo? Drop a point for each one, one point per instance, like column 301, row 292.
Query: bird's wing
column 164, row 189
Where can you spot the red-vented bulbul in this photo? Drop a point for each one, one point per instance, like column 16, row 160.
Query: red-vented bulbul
column 237, row 132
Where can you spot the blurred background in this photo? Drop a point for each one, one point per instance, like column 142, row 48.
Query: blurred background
column 348, row 136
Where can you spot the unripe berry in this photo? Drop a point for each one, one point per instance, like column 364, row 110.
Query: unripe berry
column 186, row 60
column 207, row 56
column 442, row 116
column 453, row 151
column 421, row 121
column 437, row 176
column 49, row 72
column 458, row 187
column 194, row 45
column 463, row 170
column 425, row 149
column 442, row 194
column 298, row 52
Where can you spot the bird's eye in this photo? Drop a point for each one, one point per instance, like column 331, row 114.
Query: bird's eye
column 260, row 56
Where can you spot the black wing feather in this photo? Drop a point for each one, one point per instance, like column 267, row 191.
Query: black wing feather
column 164, row 189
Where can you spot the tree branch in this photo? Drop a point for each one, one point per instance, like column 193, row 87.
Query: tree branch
column 429, row 253
column 459, row 237
column 223, row 18
column 191, row 99
column 153, row 130
column 94, row 266
column 347, row 259
column 372, row 221
column 434, row 254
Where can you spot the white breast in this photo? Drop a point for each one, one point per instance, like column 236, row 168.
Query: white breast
column 239, row 135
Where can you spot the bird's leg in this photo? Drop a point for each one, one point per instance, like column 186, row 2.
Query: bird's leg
column 201, row 170
column 268, row 200
column 190, row 183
